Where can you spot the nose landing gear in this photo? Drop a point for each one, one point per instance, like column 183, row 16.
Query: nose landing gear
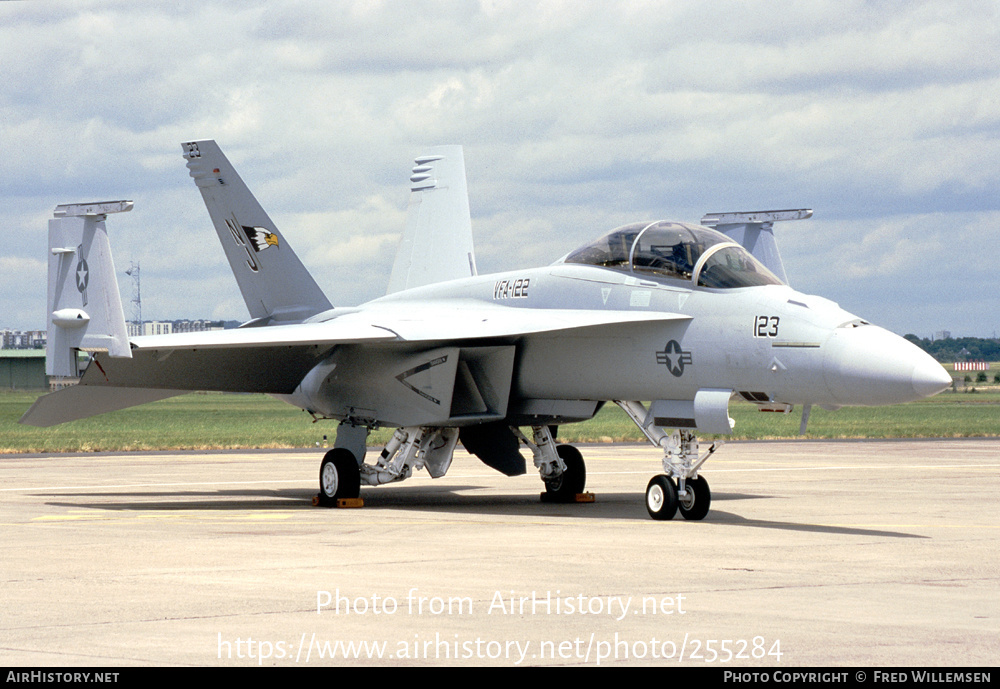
column 680, row 488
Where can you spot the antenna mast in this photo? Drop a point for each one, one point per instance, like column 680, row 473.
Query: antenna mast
column 133, row 272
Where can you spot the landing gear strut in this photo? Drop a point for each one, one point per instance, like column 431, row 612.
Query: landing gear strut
column 561, row 466
column 679, row 488
column 410, row 449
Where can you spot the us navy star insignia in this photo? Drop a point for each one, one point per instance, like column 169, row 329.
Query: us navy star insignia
column 674, row 358
column 82, row 275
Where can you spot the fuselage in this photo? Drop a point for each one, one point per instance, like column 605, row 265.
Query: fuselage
column 650, row 311
column 769, row 343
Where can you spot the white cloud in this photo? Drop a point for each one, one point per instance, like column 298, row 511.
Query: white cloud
column 576, row 116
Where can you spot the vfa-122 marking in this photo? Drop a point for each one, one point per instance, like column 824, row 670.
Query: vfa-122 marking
column 511, row 289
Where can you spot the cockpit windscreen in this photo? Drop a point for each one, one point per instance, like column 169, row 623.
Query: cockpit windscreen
column 675, row 250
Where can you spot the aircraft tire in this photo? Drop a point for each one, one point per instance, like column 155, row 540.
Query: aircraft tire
column 661, row 498
column 696, row 507
column 339, row 477
column 565, row 487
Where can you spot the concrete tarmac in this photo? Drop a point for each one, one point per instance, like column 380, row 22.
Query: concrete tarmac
column 844, row 553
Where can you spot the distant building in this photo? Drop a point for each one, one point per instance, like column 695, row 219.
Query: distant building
column 22, row 369
column 22, row 339
column 186, row 326
column 150, row 328
column 942, row 335
column 168, row 327
column 22, row 352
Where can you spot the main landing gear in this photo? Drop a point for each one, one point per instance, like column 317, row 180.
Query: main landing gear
column 562, row 469
column 339, row 477
column 342, row 472
column 561, row 466
column 679, row 488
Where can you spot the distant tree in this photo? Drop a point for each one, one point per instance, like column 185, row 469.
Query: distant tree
column 949, row 348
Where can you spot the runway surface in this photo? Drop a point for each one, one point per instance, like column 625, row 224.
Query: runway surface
column 870, row 553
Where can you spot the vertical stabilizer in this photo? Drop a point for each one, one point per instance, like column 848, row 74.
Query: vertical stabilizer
column 437, row 241
column 275, row 285
column 754, row 231
column 85, row 309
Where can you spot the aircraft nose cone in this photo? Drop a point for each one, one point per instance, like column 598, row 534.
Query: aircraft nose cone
column 929, row 378
column 868, row 365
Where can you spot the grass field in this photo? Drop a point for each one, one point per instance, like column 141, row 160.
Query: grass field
column 221, row 421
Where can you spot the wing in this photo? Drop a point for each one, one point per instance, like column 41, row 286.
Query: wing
column 275, row 359
column 435, row 322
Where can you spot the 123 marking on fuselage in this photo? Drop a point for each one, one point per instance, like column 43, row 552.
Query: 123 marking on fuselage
column 765, row 326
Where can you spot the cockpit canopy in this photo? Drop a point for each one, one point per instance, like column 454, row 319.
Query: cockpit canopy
column 676, row 250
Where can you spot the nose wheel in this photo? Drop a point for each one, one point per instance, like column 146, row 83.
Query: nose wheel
column 695, row 504
column 664, row 499
column 661, row 498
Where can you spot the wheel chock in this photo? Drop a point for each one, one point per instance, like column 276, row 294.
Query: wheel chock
column 579, row 497
column 342, row 502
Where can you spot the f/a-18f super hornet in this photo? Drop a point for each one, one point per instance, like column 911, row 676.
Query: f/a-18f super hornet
column 668, row 320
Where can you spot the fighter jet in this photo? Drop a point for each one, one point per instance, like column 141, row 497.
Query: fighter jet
column 669, row 320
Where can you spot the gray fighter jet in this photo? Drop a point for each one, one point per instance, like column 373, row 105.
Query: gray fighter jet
column 668, row 320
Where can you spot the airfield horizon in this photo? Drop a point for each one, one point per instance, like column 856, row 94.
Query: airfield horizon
column 207, row 421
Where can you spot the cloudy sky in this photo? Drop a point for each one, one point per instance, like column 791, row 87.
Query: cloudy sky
column 882, row 116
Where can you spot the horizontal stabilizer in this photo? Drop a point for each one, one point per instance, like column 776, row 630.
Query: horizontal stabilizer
column 754, row 231
column 83, row 401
